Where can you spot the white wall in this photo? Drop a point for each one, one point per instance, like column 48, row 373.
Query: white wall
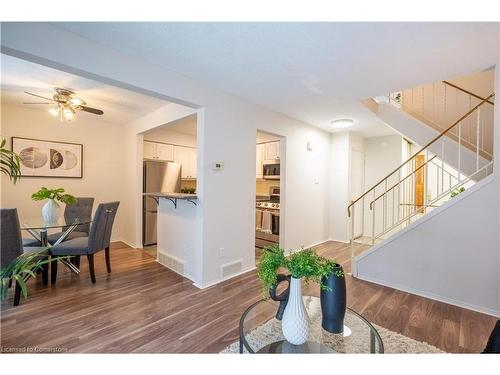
column 339, row 186
column 226, row 132
column 382, row 156
column 103, row 160
column 450, row 254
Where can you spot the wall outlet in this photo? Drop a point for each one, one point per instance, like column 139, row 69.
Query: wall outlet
column 221, row 253
column 316, row 181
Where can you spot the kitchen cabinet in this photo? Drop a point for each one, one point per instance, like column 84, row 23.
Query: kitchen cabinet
column 158, row 151
column 259, row 161
column 186, row 156
column 149, row 150
column 165, row 152
column 271, row 152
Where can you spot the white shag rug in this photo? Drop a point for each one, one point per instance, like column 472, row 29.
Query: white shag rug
column 393, row 342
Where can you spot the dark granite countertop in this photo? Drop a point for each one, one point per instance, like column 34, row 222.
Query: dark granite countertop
column 172, row 195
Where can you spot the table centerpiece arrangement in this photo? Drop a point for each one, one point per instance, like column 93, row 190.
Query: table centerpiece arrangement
column 51, row 210
column 306, row 265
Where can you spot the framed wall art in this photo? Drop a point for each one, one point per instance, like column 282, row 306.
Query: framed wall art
column 40, row 158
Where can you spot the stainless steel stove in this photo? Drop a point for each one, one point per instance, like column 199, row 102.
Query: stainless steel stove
column 268, row 205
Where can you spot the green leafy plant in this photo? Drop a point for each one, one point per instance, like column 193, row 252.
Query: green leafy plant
column 57, row 194
column 301, row 264
column 454, row 193
column 9, row 162
column 20, row 269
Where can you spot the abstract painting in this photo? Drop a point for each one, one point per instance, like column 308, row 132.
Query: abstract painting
column 41, row 158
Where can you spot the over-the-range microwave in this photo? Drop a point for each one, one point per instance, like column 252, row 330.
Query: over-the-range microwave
column 271, row 171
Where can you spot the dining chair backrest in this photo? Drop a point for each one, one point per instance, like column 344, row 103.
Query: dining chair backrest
column 81, row 209
column 11, row 242
column 102, row 225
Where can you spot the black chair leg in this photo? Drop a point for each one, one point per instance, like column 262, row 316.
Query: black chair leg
column 77, row 261
column 45, row 274
column 53, row 271
column 17, row 294
column 90, row 258
column 108, row 260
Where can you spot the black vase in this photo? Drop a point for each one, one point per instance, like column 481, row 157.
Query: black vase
column 281, row 298
column 333, row 300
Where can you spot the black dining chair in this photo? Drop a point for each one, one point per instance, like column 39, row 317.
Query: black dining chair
column 98, row 239
column 82, row 209
column 11, row 246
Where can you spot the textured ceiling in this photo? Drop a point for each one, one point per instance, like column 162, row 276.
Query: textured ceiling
column 315, row 72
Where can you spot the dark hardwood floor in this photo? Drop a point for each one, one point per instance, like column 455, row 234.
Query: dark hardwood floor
column 143, row 307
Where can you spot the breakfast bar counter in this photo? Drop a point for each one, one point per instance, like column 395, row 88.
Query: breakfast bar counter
column 178, row 232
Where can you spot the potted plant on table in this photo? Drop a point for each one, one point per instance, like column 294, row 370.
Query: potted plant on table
column 304, row 264
column 51, row 211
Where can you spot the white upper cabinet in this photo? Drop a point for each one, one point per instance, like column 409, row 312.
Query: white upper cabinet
column 259, row 161
column 271, row 152
column 186, row 156
column 158, row 151
column 149, row 150
column 165, row 152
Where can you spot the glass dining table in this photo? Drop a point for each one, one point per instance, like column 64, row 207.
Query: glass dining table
column 38, row 228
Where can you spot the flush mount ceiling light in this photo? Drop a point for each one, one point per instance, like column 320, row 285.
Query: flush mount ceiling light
column 342, row 123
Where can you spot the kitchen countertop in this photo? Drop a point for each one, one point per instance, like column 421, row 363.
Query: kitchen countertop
column 172, row 195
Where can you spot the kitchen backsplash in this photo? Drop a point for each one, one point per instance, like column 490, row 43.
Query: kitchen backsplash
column 188, row 184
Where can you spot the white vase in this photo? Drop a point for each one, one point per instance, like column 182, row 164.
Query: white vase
column 51, row 211
column 295, row 323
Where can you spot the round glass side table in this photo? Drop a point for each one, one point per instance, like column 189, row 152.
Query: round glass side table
column 260, row 332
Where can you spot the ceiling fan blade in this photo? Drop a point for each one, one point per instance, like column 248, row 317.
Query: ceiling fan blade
column 95, row 111
column 38, row 96
column 37, row 103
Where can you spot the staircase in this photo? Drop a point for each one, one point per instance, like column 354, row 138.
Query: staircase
column 456, row 128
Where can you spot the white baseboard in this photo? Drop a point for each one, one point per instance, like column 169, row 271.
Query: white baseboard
column 436, row 297
column 338, row 240
column 125, row 242
column 215, row 282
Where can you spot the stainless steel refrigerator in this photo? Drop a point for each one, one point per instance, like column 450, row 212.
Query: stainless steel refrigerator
column 158, row 177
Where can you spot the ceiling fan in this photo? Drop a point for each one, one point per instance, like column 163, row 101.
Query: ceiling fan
column 66, row 105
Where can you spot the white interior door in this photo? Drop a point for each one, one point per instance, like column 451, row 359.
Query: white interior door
column 357, row 188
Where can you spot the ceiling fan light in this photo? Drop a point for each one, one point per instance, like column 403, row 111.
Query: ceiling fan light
column 76, row 102
column 54, row 111
column 68, row 113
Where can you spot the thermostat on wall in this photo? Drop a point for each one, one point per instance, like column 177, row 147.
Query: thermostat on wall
column 217, row 165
